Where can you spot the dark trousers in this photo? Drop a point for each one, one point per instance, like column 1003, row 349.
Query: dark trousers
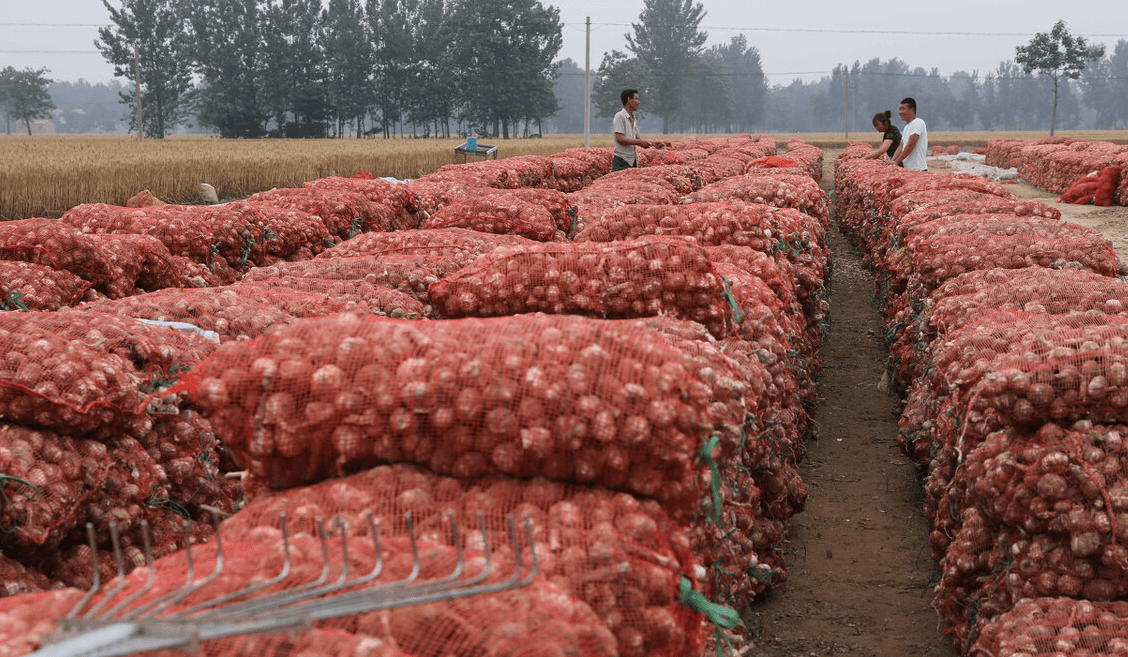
column 619, row 163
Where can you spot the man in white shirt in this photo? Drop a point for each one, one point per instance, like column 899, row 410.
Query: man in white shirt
column 913, row 151
column 626, row 133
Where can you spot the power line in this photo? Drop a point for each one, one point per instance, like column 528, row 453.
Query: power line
column 864, row 31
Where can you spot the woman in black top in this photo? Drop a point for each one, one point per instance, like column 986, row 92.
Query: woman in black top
column 890, row 138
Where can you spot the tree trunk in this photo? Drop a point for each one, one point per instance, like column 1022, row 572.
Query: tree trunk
column 1053, row 115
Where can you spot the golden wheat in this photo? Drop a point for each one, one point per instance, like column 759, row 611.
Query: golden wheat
column 44, row 176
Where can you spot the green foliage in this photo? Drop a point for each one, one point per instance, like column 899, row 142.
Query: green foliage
column 229, row 57
column 504, row 57
column 23, row 96
column 667, row 43
column 1057, row 55
column 293, row 87
column 349, row 51
column 148, row 46
column 615, row 73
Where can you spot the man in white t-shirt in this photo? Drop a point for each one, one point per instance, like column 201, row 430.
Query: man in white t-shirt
column 626, row 133
column 913, row 151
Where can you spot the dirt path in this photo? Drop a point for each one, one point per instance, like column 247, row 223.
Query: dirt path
column 860, row 582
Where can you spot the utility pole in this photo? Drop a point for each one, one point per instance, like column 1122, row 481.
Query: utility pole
column 846, row 104
column 137, row 76
column 587, row 86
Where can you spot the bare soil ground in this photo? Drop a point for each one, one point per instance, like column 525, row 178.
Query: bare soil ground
column 861, row 581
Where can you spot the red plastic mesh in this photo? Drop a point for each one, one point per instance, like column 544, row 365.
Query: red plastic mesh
column 157, row 352
column 559, row 396
column 387, row 199
column 508, row 173
column 680, row 178
column 47, row 481
column 26, row 619
column 1050, row 627
column 345, row 212
column 56, row 383
column 113, row 263
column 621, row 556
column 778, row 189
column 499, row 216
column 30, row 286
column 225, row 311
column 450, row 242
column 198, row 233
column 961, row 300
column 599, row 197
column 637, row 278
column 538, row 619
column 17, row 579
column 346, row 295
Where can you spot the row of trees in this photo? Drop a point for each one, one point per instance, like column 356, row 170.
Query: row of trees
column 296, row 68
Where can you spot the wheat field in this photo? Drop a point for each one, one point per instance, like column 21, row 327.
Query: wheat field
column 44, row 176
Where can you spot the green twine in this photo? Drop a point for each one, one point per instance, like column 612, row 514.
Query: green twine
column 354, row 228
column 732, row 301
column 715, row 470
column 14, row 299
column 6, row 478
column 719, row 615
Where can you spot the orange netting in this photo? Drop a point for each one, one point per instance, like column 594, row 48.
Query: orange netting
column 561, row 396
column 637, row 278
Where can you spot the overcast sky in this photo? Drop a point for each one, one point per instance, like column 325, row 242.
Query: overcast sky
column 804, row 39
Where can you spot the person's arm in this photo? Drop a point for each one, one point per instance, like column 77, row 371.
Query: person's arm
column 877, row 152
column 627, row 141
column 905, row 148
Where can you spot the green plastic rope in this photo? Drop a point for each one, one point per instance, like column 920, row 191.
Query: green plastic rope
column 715, row 470
column 14, row 299
column 5, row 478
column 732, row 301
column 355, row 227
column 719, row 615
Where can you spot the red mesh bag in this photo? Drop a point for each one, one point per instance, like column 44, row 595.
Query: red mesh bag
column 410, row 275
column 681, row 179
column 17, row 579
column 1081, row 192
column 1107, row 179
column 157, row 352
column 60, row 384
column 534, row 620
column 573, row 173
column 47, row 481
column 233, row 316
column 345, row 212
column 199, row 233
column 142, row 199
column 26, row 619
column 1051, row 626
column 286, row 233
column 637, row 278
column 947, row 247
column 29, row 286
column 113, row 263
column 503, row 217
column 561, row 396
column 466, row 244
column 770, row 162
column 429, row 197
column 579, row 533
column 345, row 294
column 595, row 199
column 764, row 228
column 965, row 298
column 387, row 198
column 778, row 189
column 509, row 172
